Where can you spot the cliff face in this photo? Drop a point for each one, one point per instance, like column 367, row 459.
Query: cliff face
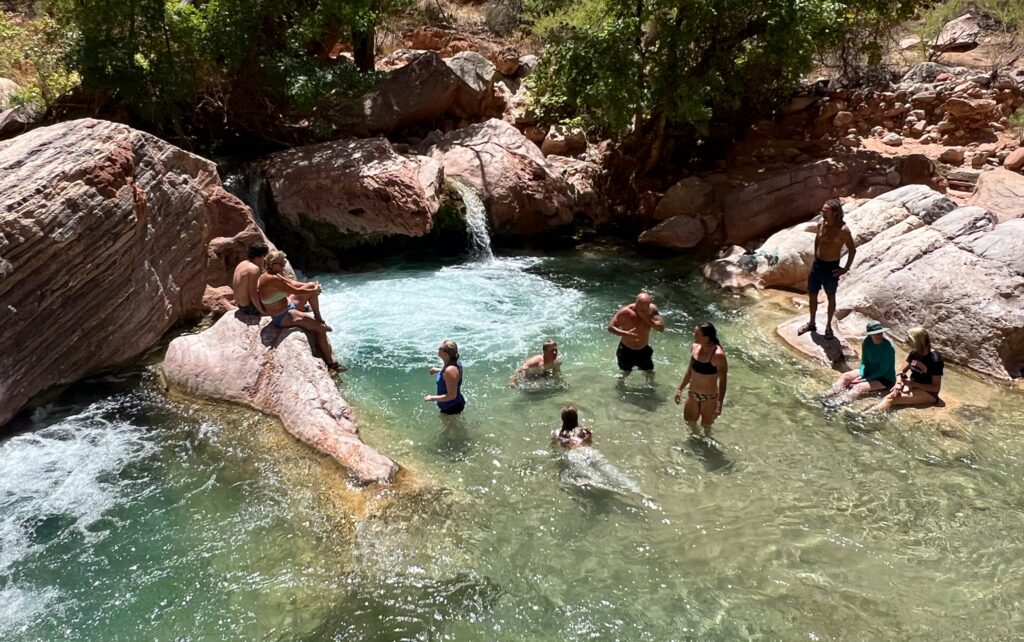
column 108, row 237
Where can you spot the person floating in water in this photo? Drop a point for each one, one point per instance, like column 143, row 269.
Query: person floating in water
column 449, row 380
column 284, row 300
column 831, row 237
column 925, row 381
column 877, row 366
column 707, row 376
column 633, row 324
column 542, row 365
column 571, row 434
column 245, row 281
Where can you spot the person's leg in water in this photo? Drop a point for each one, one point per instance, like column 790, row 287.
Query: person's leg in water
column 691, row 413
column 306, row 322
column 904, row 397
column 708, row 410
column 844, row 382
column 313, row 299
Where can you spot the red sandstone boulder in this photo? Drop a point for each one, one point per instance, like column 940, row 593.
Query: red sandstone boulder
column 523, row 193
column 584, row 176
column 1015, row 161
column 564, row 141
column 413, row 95
column 474, row 96
column 357, row 187
column 678, row 232
column 255, row 364
column 691, row 196
column 765, row 202
column 108, row 237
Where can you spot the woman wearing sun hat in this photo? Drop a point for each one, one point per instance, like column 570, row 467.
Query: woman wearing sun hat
column 877, row 370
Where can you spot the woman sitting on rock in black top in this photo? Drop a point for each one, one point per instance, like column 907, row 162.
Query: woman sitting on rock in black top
column 925, row 380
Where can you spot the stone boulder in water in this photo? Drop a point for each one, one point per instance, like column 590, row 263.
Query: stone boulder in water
column 353, row 187
column 108, row 237
column 524, row 194
column 273, row 370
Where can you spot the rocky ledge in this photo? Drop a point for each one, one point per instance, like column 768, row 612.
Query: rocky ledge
column 108, row 237
column 253, row 363
column 921, row 260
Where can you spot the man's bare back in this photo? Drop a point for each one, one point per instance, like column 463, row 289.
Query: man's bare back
column 244, row 281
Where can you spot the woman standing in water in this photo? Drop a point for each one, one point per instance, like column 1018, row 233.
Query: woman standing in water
column 449, row 380
column 706, row 376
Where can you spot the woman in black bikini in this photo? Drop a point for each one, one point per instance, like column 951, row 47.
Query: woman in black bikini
column 706, row 376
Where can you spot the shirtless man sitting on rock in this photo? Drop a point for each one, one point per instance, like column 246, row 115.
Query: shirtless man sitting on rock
column 633, row 324
column 829, row 241
column 245, row 280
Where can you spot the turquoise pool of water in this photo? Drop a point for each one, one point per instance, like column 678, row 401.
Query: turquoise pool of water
column 128, row 516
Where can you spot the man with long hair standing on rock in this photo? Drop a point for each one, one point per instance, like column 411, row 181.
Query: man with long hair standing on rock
column 832, row 236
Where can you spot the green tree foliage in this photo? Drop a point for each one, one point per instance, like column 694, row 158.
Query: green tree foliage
column 32, row 54
column 166, row 59
column 675, row 66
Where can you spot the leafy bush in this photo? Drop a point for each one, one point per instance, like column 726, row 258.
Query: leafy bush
column 32, row 54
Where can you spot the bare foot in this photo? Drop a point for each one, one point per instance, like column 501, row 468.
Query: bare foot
column 805, row 328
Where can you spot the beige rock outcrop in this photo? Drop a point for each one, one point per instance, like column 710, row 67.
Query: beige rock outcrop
column 524, row 194
column 7, row 90
column 255, row 364
column 691, row 196
column 108, row 237
column 357, row 187
column 958, row 272
column 1000, row 191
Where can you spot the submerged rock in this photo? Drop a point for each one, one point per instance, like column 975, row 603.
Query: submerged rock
column 108, row 237
column 253, row 363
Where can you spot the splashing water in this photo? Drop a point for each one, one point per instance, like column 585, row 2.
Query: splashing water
column 476, row 221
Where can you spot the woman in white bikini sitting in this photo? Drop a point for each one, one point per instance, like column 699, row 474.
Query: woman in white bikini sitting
column 284, row 299
column 706, row 375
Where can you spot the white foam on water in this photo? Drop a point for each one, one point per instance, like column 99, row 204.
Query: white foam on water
column 494, row 310
column 64, row 471
column 476, row 221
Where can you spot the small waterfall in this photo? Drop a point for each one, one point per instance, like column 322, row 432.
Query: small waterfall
column 476, row 221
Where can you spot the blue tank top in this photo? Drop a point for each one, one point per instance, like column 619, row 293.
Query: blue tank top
column 442, row 389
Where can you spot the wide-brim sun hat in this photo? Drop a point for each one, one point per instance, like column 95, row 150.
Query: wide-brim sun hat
column 874, row 327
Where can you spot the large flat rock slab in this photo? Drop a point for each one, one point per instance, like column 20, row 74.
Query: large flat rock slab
column 835, row 352
column 250, row 362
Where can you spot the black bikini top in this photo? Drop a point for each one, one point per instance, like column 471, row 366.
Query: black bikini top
column 703, row 367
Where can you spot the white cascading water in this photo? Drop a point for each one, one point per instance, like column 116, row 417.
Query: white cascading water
column 476, row 221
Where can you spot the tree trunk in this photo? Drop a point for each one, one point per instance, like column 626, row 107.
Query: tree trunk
column 363, row 48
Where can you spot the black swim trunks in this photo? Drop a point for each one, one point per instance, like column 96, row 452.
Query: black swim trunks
column 821, row 277
column 250, row 310
column 629, row 358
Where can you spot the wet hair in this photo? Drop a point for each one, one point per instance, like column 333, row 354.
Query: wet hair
column 272, row 258
column 570, row 419
column 550, row 343
column 835, row 205
column 256, row 250
column 451, row 349
column 920, row 340
column 710, row 332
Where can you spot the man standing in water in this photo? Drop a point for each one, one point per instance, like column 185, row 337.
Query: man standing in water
column 829, row 241
column 245, row 280
column 633, row 324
